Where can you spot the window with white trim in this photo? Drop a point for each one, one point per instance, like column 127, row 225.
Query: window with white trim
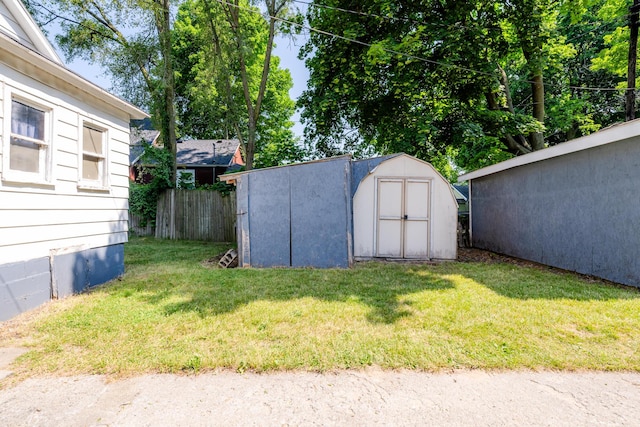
column 186, row 178
column 93, row 168
column 29, row 146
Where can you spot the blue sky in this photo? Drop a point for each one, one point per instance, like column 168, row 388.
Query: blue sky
column 286, row 48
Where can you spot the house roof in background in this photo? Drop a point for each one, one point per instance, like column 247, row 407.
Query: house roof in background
column 142, row 132
column 463, row 190
column 206, row 152
column 614, row 133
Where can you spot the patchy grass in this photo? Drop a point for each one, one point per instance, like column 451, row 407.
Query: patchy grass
column 173, row 312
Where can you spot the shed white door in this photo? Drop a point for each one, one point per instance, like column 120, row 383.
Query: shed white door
column 403, row 218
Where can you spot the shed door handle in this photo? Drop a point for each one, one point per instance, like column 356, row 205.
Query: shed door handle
column 406, row 217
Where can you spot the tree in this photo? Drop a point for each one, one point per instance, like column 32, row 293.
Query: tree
column 474, row 81
column 211, row 88
column 131, row 39
column 619, row 56
column 240, row 41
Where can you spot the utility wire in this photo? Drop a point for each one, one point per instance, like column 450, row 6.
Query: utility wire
column 407, row 55
column 382, row 17
column 373, row 15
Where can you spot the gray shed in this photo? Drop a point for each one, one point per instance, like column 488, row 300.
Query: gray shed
column 572, row 206
column 327, row 213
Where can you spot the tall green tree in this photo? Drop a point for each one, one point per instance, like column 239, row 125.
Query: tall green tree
column 214, row 80
column 618, row 56
column 476, row 81
column 131, row 40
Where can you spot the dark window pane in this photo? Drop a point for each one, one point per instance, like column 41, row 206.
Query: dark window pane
column 27, row 121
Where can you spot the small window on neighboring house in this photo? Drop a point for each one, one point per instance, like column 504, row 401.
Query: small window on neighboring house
column 29, row 147
column 186, row 178
column 93, row 168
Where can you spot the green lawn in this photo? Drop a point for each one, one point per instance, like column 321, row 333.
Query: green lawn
column 171, row 312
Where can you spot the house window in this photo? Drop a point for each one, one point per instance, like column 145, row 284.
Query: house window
column 186, row 178
column 93, row 168
column 29, row 148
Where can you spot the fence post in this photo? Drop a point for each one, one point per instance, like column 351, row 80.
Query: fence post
column 172, row 216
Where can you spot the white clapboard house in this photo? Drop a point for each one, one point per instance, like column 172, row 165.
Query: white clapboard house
column 64, row 155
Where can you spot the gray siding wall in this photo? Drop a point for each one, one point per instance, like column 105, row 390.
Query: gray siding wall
column 23, row 286
column 28, row 284
column 268, row 218
column 579, row 212
column 298, row 216
column 321, row 214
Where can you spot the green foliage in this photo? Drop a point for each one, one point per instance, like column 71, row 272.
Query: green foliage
column 130, row 40
column 155, row 163
column 421, row 82
column 220, row 186
column 118, row 35
column 186, row 180
column 211, row 94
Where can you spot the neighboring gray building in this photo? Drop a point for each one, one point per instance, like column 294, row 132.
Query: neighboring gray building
column 198, row 161
column 574, row 205
column 330, row 212
column 206, row 159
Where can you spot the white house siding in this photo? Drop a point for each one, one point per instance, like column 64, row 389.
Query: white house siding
column 9, row 26
column 59, row 238
column 443, row 208
column 37, row 219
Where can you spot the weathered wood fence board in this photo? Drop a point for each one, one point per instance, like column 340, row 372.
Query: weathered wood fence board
column 196, row 215
column 137, row 229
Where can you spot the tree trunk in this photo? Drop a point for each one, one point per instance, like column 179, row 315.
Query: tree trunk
column 166, row 109
column 253, row 110
column 537, row 92
column 512, row 143
column 250, row 147
column 630, row 95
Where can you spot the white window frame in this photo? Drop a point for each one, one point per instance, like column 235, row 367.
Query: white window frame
column 102, row 183
column 44, row 176
column 179, row 173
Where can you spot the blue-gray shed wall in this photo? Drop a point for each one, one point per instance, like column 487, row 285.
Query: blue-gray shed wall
column 579, row 212
column 28, row 284
column 269, row 225
column 361, row 168
column 298, row 215
column 321, row 214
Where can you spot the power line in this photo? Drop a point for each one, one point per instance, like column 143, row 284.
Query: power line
column 382, row 17
column 407, row 55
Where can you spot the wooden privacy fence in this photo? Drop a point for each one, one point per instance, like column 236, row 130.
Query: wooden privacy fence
column 196, row 215
column 136, row 228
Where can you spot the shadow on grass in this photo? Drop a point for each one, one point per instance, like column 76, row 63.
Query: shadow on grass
column 540, row 282
column 175, row 273
column 378, row 286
